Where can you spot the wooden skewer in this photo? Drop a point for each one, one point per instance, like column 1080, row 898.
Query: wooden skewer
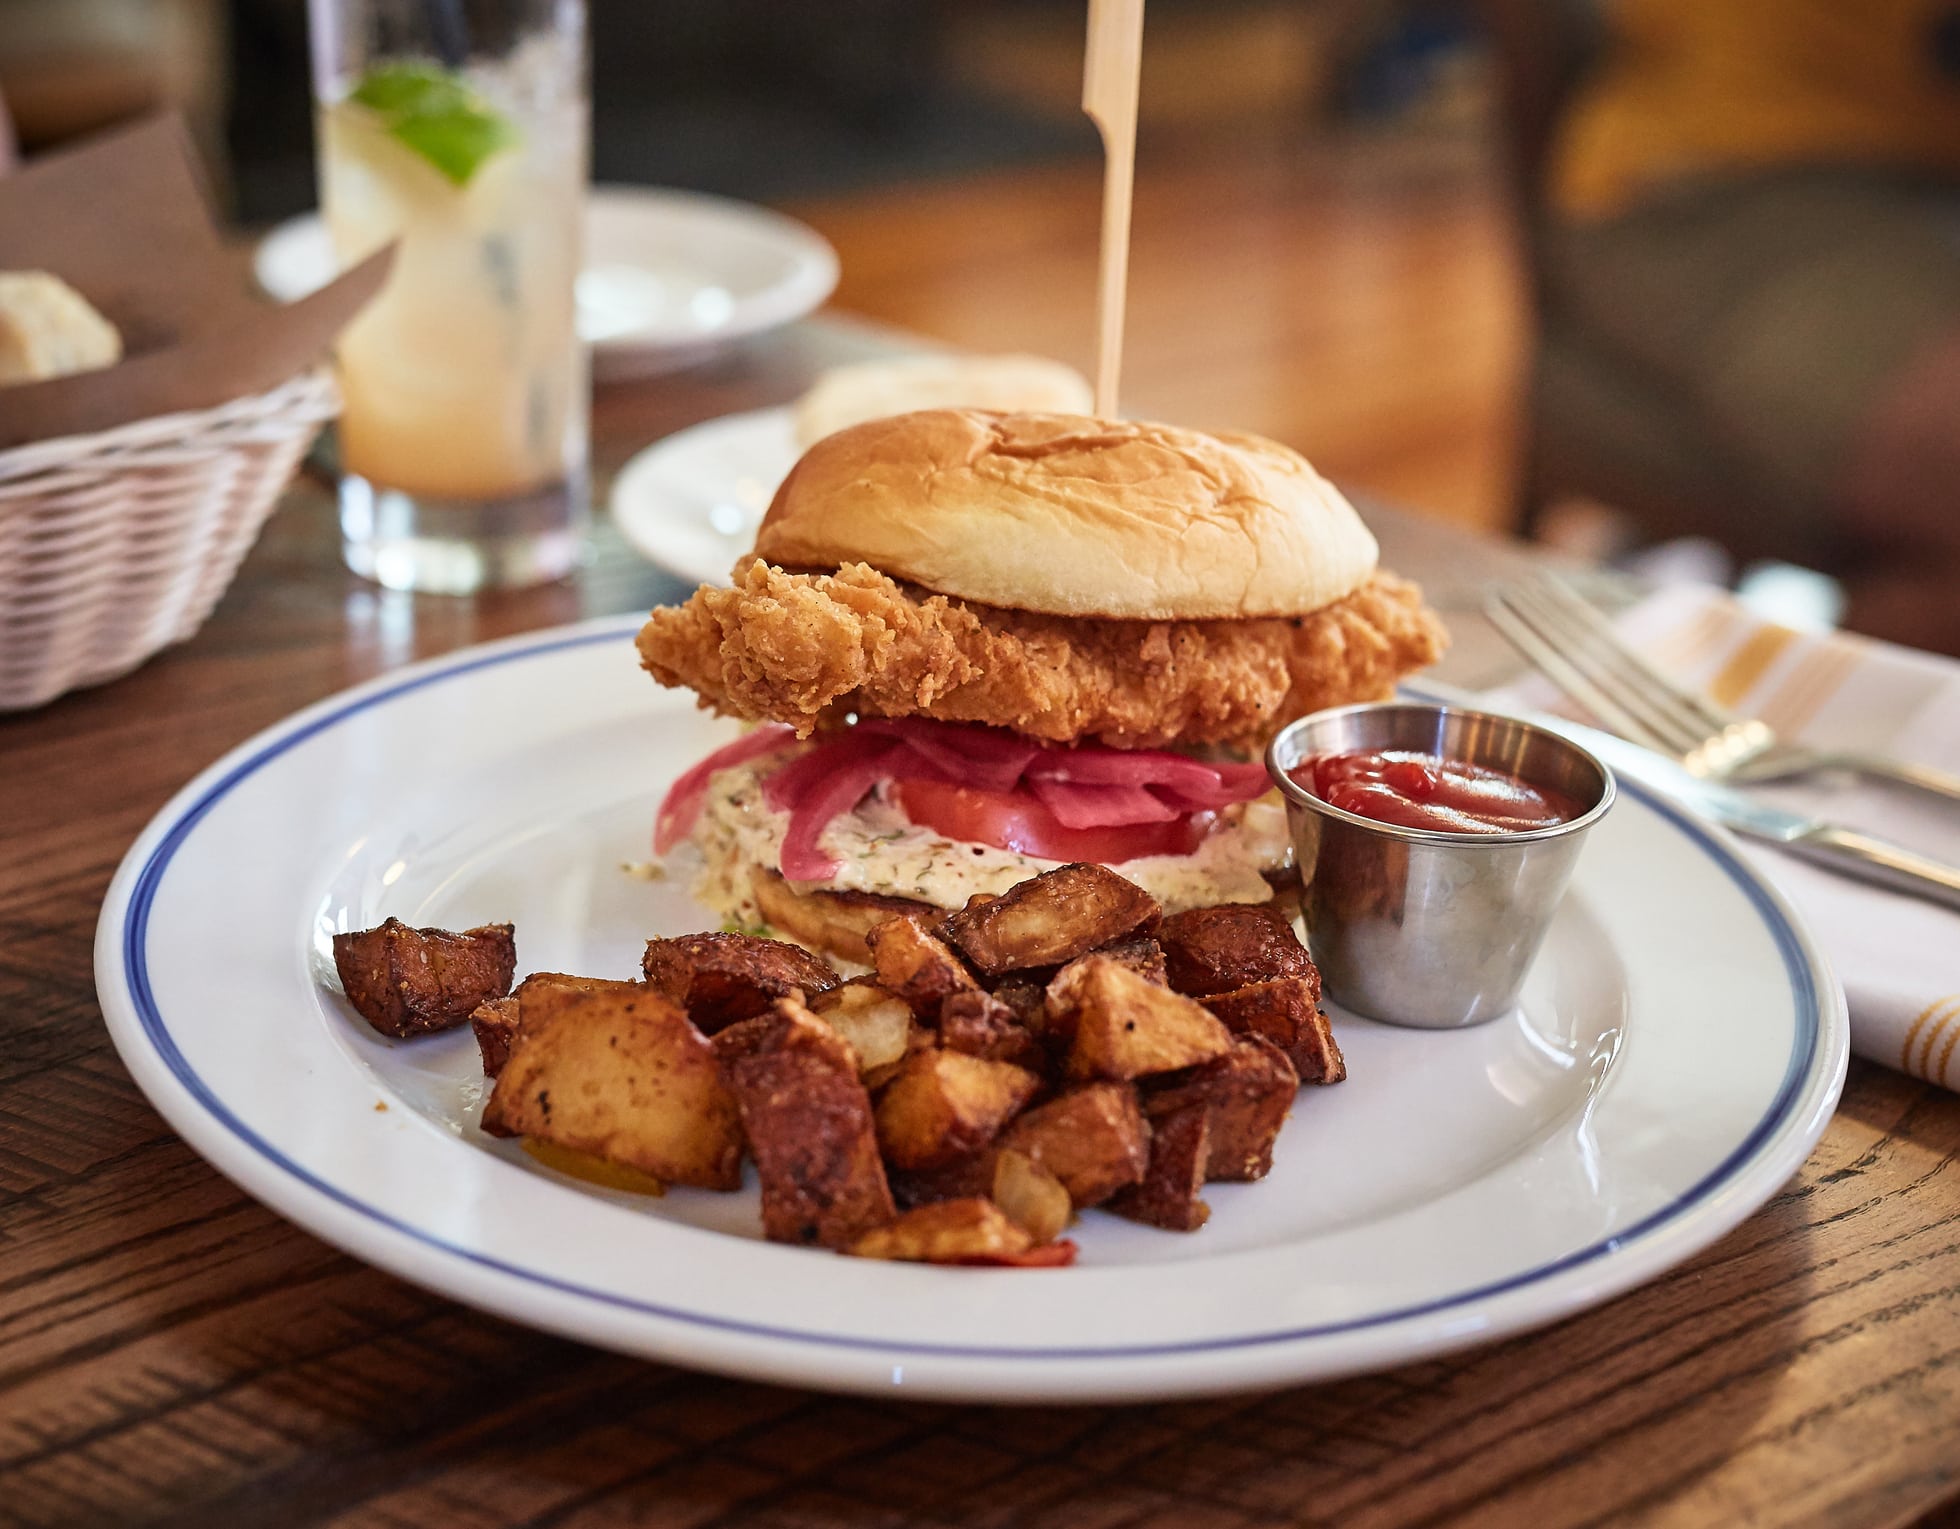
column 1109, row 97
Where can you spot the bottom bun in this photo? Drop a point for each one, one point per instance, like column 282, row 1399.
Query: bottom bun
column 833, row 923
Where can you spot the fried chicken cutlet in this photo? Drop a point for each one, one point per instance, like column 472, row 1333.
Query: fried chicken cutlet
column 808, row 648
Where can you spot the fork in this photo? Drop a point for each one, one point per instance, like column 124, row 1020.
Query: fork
column 1579, row 651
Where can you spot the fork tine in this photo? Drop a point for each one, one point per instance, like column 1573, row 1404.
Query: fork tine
column 1543, row 651
column 1600, row 656
column 1705, row 716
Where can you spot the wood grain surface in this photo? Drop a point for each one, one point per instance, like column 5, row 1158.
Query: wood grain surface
column 171, row 1353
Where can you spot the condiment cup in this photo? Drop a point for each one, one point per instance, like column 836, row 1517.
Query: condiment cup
column 1424, row 927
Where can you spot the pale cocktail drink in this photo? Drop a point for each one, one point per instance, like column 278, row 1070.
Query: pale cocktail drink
column 459, row 380
column 463, row 431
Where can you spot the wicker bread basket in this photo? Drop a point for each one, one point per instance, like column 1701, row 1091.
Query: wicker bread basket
column 113, row 546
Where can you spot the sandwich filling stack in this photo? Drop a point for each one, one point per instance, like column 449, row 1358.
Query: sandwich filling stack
column 978, row 645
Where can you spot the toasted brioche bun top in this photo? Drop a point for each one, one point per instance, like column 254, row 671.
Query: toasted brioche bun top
column 1072, row 516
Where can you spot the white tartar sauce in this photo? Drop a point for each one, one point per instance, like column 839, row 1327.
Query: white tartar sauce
column 879, row 850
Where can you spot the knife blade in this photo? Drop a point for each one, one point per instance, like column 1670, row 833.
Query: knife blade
column 1832, row 845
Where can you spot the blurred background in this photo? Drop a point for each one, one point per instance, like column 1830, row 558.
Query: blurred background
column 1352, row 232
column 1342, row 278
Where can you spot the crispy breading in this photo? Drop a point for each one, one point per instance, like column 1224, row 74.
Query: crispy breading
column 802, row 648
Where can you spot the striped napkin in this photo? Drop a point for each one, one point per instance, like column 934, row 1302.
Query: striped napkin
column 1898, row 958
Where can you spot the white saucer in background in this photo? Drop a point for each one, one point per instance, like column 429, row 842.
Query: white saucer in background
column 669, row 277
column 691, row 503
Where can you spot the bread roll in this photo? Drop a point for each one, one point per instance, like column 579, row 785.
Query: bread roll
column 1073, row 516
column 850, row 395
column 48, row 329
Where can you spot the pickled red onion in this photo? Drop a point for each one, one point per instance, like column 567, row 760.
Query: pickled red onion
column 681, row 806
column 821, row 785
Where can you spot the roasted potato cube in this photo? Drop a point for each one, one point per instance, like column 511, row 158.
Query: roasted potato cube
column 833, row 921
column 1026, row 996
column 1248, row 1092
column 1215, row 950
column 919, row 967
column 668, row 970
column 1142, row 954
column 1316, row 1056
column 1093, row 1138
column 495, row 1025
column 538, row 982
column 725, row 978
column 1179, row 1154
column 947, row 1232
column 1286, row 1013
column 1124, row 1026
column 956, row 1181
column 408, row 982
column 621, row 1075
column 1051, row 918
column 878, row 1024
column 809, row 1126
column 1033, row 1198
column 593, row 1170
column 981, row 1025
column 943, row 1105
column 536, row 989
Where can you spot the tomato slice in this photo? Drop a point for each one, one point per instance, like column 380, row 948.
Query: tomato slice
column 1016, row 820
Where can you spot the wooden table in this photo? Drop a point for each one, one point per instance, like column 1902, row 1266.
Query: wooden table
column 172, row 1353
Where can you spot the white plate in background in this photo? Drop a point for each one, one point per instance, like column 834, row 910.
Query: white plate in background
column 669, row 277
column 690, row 503
column 1678, row 1050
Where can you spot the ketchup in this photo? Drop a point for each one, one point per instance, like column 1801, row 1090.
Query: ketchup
column 1414, row 790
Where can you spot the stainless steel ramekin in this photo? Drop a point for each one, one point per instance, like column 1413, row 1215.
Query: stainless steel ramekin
column 1418, row 926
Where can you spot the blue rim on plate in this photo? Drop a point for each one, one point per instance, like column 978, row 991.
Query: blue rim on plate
column 130, row 939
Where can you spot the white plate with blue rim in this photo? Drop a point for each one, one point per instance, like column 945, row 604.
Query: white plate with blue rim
column 1678, row 1050
column 668, row 278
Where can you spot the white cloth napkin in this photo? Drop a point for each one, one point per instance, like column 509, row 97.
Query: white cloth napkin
column 1898, row 958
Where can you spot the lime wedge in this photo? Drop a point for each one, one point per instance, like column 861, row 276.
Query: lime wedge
column 432, row 112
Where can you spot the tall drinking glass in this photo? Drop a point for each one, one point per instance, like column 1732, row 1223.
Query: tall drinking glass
column 458, row 130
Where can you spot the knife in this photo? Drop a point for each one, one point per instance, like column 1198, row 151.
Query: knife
column 1828, row 844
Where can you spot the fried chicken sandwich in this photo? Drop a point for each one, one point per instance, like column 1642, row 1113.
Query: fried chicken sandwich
column 982, row 644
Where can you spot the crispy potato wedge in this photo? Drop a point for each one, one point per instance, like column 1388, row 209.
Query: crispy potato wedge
column 979, row 1024
column 725, row 978
column 878, row 1024
column 834, row 922
column 1093, row 1138
column 1215, row 950
column 1285, row 1012
column 944, row 1105
column 949, row 1231
column 1124, row 1026
column 920, row 967
column 1052, row 918
column 1248, row 1092
column 495, row 1026
column 623, row 1076
column 809, row 1126
column 1167, row 1196
column 1033, row 1198
column 407, row 982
